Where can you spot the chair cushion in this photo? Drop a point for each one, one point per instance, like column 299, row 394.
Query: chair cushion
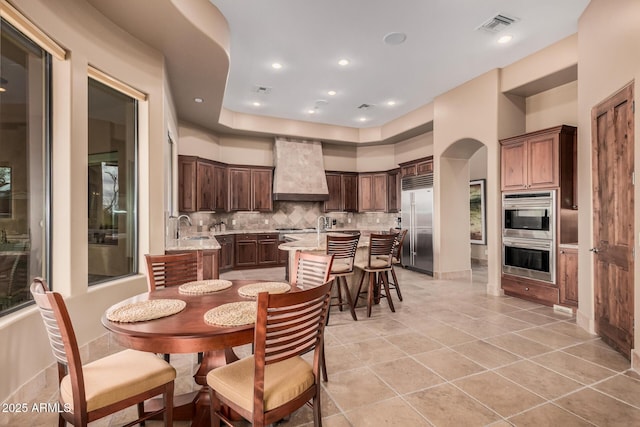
column 340, row 267
column 283, row 381
column 375, row 264
column 119, row 376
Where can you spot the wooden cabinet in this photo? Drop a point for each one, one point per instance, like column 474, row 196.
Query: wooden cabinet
column 343, row 192
column 417, row 167
column 533, row 160
column 532, row 290
column 268, row 255
column 568, row 276
column 250, row 189
column 246, row 250
column 372, row 192
column 393, row 190
column 210, row 264
column 227, row 247
column 283, row 256
column 202, row 185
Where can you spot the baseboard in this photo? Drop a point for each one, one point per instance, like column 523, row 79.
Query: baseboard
column 451, row 275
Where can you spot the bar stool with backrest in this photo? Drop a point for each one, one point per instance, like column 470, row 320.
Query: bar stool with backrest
column 343, row 248
column 276, row 380
column 168, row 270
column 311, row 270
column 396, row 260
column 375, row 267
column 105, row 386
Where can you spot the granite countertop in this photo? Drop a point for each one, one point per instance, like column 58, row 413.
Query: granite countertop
column 192, row 244
column 310, row 242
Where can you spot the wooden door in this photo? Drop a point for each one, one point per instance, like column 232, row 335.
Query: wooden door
column 186, row 184
column 393, row 191
column 262, row 189
column 365, row 196
column 221, row 190
column 514, row 166
column 239, row 189
column 612, row 129
column 568, row 276
column 542, row 162
column 205, row 187
column 350, row 192
column 379, row 192
column 334, row 185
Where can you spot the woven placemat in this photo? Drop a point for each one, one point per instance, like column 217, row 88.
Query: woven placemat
column 200, row 287
column 252, row 290
column 145, row 310
column 232, row 314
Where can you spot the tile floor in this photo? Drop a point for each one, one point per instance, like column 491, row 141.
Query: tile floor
column 449, row 356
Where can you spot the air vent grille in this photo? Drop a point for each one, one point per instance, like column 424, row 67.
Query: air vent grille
column 498, row 23
column 364, row 106
column 415, row 182
column 263, row 90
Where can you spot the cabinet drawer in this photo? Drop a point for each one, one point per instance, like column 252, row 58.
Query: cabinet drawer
column 245, row 237
column 267, row 236
column 530, row 290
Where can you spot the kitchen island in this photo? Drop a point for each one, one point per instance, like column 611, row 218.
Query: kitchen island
column 207, row 247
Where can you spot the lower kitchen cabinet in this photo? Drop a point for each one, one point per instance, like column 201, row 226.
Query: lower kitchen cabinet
column 568, row 276
column 267, row 250
column 246, row 250
column 210, row 264
column 226, row 251
column 532, row 290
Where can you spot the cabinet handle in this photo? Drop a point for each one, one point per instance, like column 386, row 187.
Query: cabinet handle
column 526, row 289
column 561, row 252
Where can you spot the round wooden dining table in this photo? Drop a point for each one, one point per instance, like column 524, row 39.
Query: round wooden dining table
column 187, row 332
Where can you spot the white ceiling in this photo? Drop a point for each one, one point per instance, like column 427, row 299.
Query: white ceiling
column 443, row 49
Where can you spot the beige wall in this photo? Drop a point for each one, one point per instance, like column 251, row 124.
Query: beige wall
column 243, row 150
column 340, row 157
column 608, row 61
column 557, row 106
column 91, row 40
column 414, row 148
column 195, row 141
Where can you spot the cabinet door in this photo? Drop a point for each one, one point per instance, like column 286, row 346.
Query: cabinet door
column 513, row 158
column 424, row 168
column 334, row 185
column 221, row 188
column 210, row 264
column 205, row 186
column 283, row 256
column 365, row 195
column 226, row 252
column 239, row 189
column 187, row 184
column 568, row 276
column 350, row 192
column 542, row 162
column 409, row 170
column 246, row 250
column 268, row 250
column 393, row 191
column 262, row 189
column 379, row 192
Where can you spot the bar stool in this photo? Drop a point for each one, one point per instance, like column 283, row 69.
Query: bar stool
column 378, row 263
column 343, row 248
column 396, row 260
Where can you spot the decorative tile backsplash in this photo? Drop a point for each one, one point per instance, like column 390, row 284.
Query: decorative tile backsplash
column 291, row 215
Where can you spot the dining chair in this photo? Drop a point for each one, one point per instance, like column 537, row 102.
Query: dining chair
column 275, row 381
column 312, row 270
column 100, row 388
column 375, row 267
column 343, row 248
column 173, row 270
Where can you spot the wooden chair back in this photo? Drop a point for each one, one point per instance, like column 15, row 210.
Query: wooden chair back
column 343, row 248
column 381, row 247
column 173, row 269
column 397, row 252
column 311, row 269
column 289, row 325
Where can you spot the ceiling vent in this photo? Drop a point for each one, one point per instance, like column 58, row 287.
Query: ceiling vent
column 263, row 90
column 498, row 23
column 364, row 106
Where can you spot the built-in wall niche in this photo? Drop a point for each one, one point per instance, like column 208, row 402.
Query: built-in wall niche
column 6, row 195
column 104, row 198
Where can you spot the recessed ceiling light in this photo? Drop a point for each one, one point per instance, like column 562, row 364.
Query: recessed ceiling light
column 362, row 119
column 198, row 100
column 2, row 89
column 391, row 103
column 256, row 104
column 311, row 111
column 343, row 62
column 505, row 39
column 276, row 65
column 331, row 93
column 395, row 38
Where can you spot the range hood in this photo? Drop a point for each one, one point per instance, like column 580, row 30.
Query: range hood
column 299, row 171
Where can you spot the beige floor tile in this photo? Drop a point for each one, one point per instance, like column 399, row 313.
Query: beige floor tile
column 538, row 379
column 622, row 387
column 571, row 329
column 573, row 367
column 549, row 338
column 413, row 342
column 531, row 317
column 449, row 364
column 486, row 354
column 479, row 328
column 600, row 409
column 603, row 356
column 385, row 326
column 406, row 375
column 374, row 351
column 519, row 345
column 392, row 412
column 506, row 322
column 550, row 312
column 446, row 405
column 355, row 388
column 444, row 334
column 548, row 415
column 339, row 359
column 498, row 393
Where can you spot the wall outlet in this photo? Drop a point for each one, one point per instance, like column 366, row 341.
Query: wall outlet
column 377, row 220
column 233, row 222
column 200, row 223
column 266, row 221
column 348, row 220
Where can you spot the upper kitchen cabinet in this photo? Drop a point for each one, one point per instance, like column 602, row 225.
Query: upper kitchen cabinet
column 394, row 189
column 343, row 192
column 372, row 192
column 250, row 188
column 202, row 185
column 417, row 167
column 542, row 159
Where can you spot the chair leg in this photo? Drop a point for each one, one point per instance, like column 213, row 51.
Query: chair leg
column 348, row 295
column 339, row 294
column 141, row 412
column 214, row 409
column 395, row 283
column 168, row 405
column 360, row 286
column 317, row 415
column 372, row 279
column 323, row 363
column 386, row 291
column 61, row 421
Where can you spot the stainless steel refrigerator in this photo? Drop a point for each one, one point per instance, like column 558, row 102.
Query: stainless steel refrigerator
column 417, row 218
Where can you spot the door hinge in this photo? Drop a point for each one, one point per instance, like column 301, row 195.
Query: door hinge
column 633, row 178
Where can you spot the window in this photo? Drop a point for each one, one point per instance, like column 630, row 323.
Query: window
column 112, row 178
column 24, row 166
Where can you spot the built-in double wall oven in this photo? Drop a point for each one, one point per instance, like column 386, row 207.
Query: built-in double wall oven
column 528, row 234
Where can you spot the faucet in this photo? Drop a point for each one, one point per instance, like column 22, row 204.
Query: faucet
column 321, row 226
column 178, row 225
